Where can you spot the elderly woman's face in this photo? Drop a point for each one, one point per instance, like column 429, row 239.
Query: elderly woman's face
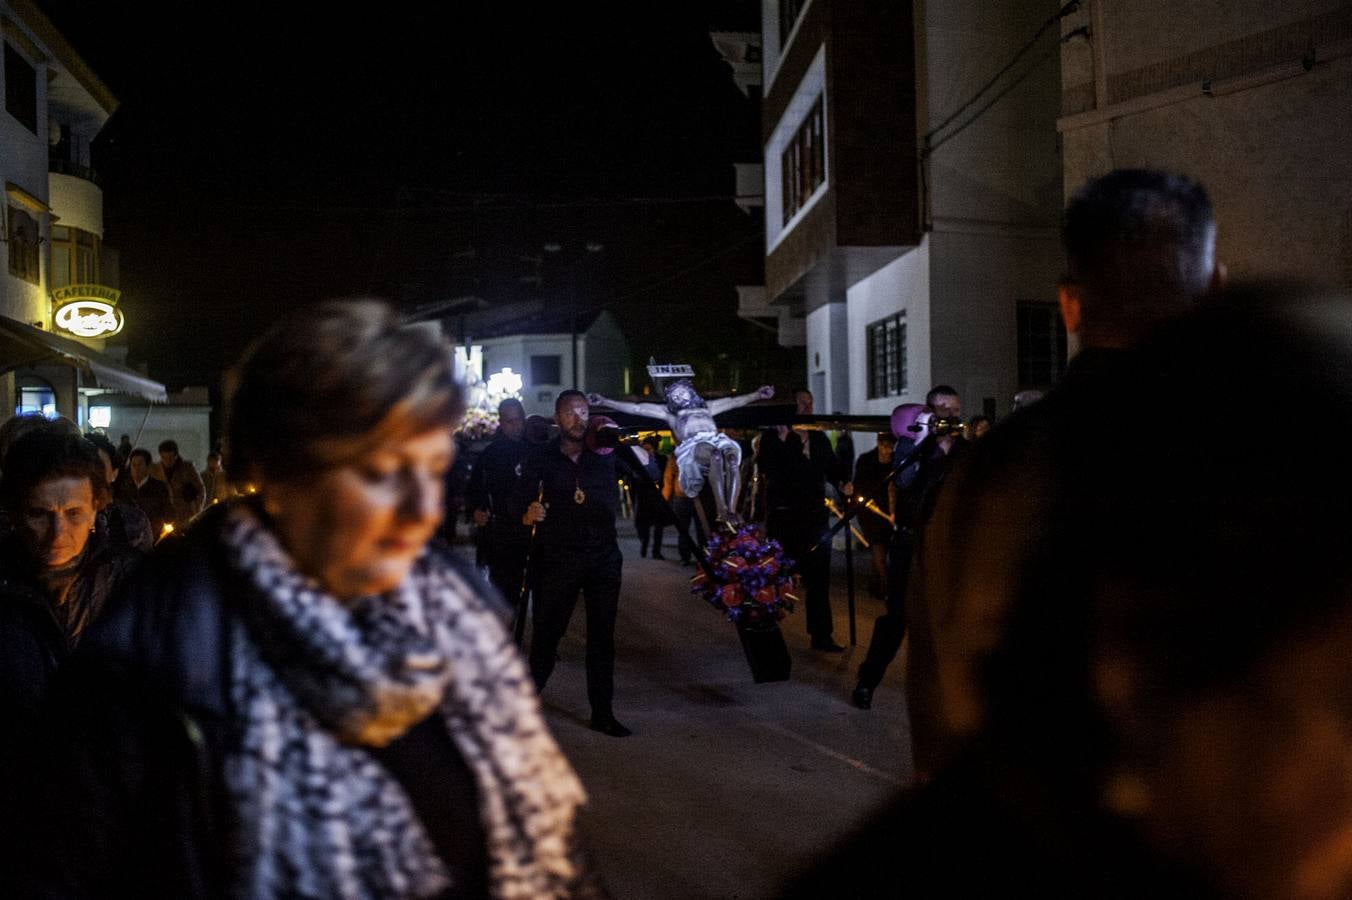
column 58, row 516
column 357, row 528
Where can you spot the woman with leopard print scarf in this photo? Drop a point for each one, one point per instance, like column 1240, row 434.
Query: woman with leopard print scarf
column 302, row 697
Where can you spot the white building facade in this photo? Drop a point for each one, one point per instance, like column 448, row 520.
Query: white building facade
column 920, row 250
column 58, row 294
column 540, row 349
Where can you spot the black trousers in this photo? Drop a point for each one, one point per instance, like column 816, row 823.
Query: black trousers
column 797, row 538
column 558, row 582
column 684, row 509
column 647, row 520
column 506, row 567
column 890, row 627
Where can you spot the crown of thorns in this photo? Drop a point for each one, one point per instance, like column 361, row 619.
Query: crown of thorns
column 688, row 399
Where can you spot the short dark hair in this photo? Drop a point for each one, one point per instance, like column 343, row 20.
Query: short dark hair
column 567, row 395
column 511, row 402
column 1139, row 241
column 976, row 420
column 327, row 383
column 940, row 390
column 168, row 446
column 142, row 452
column 46, row 454
column 802, row 389
column 23, row 424
column 102, row 443
column 214, row 454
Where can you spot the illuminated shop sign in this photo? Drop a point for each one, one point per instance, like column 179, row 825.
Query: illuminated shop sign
column 88, row 310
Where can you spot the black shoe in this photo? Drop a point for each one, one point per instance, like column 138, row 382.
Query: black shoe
column 657, row 554
column 826, row 645
column 642, row 551
column 609, row 727
column 862, row 697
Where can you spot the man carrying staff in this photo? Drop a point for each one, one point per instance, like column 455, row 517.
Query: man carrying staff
column 570, row 493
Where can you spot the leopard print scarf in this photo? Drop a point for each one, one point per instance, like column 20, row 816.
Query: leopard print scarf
column 315, row 680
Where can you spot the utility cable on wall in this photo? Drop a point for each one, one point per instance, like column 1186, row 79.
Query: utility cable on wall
column 1064, row 11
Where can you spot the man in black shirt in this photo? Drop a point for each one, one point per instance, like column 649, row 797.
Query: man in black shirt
column 150, row 495
column 491, row 493
column 576, row 550
column 797, row 465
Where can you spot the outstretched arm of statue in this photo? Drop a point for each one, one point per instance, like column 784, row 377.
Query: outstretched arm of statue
column 764, row 392
column 647, row 410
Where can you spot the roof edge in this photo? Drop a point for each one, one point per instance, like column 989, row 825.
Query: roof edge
column 61, row 48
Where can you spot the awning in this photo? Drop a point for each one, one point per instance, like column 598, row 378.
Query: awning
column 23, row 345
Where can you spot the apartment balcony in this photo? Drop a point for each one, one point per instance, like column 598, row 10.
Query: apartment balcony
column 75, row 193
column 60, row 165
column 838, row 126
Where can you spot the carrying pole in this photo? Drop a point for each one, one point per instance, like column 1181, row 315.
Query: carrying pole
column 523, row 595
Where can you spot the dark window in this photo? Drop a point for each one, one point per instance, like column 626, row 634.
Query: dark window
column 887, row 357
column 21, row 89
column 789, row 11
column 546, row 370
column 22, row 232
column 1042, row 344
column 803, row 163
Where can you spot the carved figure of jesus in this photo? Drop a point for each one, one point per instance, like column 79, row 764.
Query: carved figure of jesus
column 702, row 453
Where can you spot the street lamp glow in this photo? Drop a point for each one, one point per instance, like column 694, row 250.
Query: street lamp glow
column 504, row 384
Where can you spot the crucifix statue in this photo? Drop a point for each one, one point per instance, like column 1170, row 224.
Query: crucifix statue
column 702, row 452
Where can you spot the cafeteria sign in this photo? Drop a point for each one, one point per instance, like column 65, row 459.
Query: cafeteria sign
column 88, row 310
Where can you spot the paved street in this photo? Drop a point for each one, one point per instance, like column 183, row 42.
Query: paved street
column 726, row 786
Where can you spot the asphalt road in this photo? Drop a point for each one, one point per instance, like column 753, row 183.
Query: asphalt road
column 726, row 787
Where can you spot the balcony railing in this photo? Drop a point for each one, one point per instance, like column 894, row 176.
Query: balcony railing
column 62, row 166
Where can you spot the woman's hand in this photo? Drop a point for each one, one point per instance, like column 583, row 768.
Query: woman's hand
column 534, row 513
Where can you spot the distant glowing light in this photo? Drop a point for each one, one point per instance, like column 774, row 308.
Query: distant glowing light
column 89, row 317
column 504, row 384
column 100, row 416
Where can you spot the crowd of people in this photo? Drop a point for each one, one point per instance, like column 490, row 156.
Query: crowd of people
column 1127, row 638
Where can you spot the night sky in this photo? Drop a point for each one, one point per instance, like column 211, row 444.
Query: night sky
column 263, row 159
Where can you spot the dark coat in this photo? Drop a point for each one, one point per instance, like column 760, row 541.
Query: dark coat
column 492, row 486
column 140, row 721
column 979, row 832
column 36, row 636
column 152, row 498
column 796, row 483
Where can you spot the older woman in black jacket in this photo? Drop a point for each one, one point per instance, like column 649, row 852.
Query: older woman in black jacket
column 301, row 697
column 57, row 566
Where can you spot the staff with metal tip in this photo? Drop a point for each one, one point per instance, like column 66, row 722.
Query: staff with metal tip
column 523, row 596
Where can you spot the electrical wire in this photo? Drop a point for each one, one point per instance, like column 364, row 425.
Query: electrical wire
column 996, row 99
column 1064, row 11
column 688, row 270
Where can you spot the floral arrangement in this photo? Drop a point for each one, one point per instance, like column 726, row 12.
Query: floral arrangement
column 479, row 424
column 753, row 583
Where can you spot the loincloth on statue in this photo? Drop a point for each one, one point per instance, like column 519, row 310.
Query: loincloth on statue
column 687, row 466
